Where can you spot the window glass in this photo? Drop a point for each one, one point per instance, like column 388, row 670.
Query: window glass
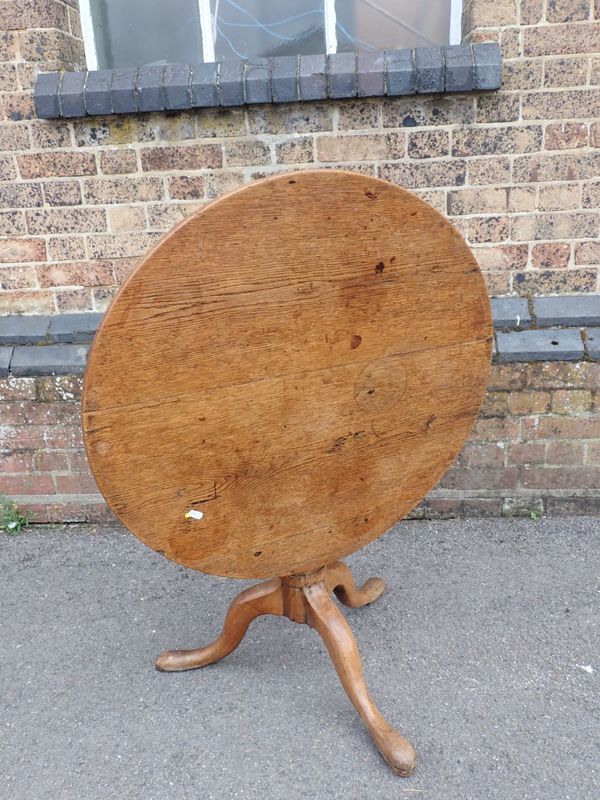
column 381, row 24
column 263, row 28
column 129, row 33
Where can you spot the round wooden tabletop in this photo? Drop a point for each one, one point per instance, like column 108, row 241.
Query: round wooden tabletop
column 287, row 374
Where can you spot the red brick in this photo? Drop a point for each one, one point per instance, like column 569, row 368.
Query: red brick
column 483, row 455
column 186, row 188
column 480, row 478
column 488, row 229
column 531, row 11
column 554, row 255
column 21, row 195
column 26, row 484
column 560, row 72
column 571, row 401
column 559, row 197
column 425, row 174
column 552, row 478
column 558, row 427
column 360, row 147
column 18, row 277
column 514, row 139
column 555, row 281
column 198, row 156
column 60, row 387
column 16, row 460
column 564, row 453
column 56, row 165
column 587, row 253
column 528, row 402
column 566, row 136
column 526, row 453
column 495, row 429
column 66, row 220
column 477, row 201
column 502, row 257
column 561, row 38
column 100, row 191
column 561, row 105
column 19, row 250
column 119, row 161
column 298, row 150
column 556, row 167
column 567, row 10
column 17, row 389
column 85, row 273
column 76, row 483
column 561, row 225
column 62, row 193
column 73, row 299
column 51, row 461
column 66, row 248
column 32, row 14
column 50, row 133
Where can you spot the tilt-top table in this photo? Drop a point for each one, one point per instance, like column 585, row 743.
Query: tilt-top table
column 285, row 375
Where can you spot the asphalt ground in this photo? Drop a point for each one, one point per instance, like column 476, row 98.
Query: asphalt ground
column 484, row 651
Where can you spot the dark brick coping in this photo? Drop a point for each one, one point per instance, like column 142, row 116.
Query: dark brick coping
column 284, row 79
column 557, row 328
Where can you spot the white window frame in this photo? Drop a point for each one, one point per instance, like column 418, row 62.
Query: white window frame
column 208, row 29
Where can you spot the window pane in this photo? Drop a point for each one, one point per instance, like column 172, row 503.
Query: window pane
column 381, row 24
column 129, row 33
column 246, row 28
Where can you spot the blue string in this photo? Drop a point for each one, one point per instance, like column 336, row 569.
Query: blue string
column 271, row 24
column 353, row 38
column 259, row 24
column 229, row 42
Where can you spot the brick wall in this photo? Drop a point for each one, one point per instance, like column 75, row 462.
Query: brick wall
column 535, row 447
column 517, row 171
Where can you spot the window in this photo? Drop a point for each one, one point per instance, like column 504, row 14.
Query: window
column 129, row 33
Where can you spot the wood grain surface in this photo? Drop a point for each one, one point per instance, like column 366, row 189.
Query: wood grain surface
column 300, row 361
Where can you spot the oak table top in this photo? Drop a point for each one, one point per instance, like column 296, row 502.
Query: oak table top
column 287, row 373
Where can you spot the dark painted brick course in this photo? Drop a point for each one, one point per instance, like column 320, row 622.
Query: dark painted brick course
column 71, row 94
column 123, row 97
column 176, row 86
column 149, row 84
column 46, row 95
column 591, row 338
column 459, row 68
column 370, row 74
column 341, row 74
column 97, row 91
column 540, row 345
column 258, row 81
column 487, row 65
column 400, row 72
column 74, row 328
column 510, row 312
column 24, row 329
column 313, row 77
column 231, row 83
column 204, row 85
column 280, row 79
column 429, row 65
column 58, row 359
column 567, row 310
column 284, row 79
column 5, row 358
